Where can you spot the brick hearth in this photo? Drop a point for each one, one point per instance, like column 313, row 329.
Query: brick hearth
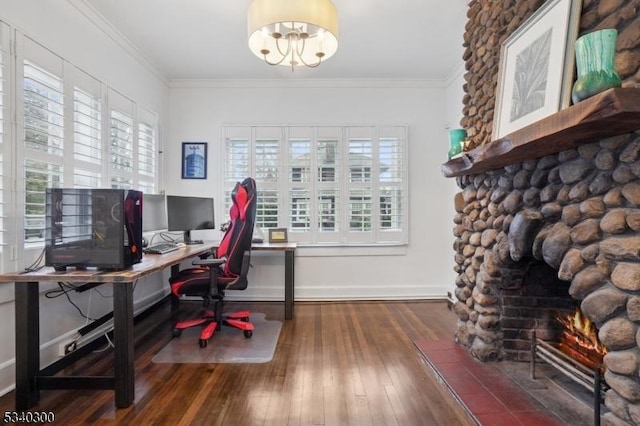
column 501, row 394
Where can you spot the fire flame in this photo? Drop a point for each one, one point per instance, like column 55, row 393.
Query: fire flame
column 580, row 330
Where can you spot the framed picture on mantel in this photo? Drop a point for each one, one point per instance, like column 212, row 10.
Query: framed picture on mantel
column 536, row 67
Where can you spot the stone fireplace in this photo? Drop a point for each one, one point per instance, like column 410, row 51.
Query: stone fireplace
column 548, row 217
column 544, row 235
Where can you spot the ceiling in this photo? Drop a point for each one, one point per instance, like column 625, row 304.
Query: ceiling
column 379, row 39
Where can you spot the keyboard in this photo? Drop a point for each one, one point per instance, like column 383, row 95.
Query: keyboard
column 161, row 248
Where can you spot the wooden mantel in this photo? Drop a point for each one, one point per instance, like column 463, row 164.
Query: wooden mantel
column 610, row 113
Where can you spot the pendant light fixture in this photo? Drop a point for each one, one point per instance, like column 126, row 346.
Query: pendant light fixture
column 293, row 32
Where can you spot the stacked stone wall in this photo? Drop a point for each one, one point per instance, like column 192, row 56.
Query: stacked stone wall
column 490, row 22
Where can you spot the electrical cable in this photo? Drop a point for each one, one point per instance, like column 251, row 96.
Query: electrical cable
column 168, row 237
column 107, row 346
column 52, row 294
column 34, row 267
column 105, row 296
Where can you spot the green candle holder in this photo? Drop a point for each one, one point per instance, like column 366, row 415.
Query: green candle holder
column 456, row 140
column 595, row 64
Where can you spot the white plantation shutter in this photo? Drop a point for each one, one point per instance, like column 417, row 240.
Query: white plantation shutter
column 255, row 152
column 392, row 191
column 237, row 161
column 133, row 145
column 71, row 130
column 299, row 141
column 5, row 143
column 328, row 188
column 147, row 151
column 88, row 146
column 267, row 173
column 327, row 184
column 42, row 127
column 121, row 143
column 359, row 168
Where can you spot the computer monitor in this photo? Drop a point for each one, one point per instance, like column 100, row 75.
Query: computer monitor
column 154, row 212
column 189, row 213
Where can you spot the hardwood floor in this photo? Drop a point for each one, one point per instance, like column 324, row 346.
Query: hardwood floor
column 336, row 364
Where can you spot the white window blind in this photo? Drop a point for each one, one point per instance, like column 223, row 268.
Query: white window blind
column 237, row 165
column 71, row 131
column 147, row 151
column 121, row 141
column 329, row 189
column 327, row 185
column 133, row 145
column 88, row 147
column 4, row 130
column 255, row 152
column 392, row 190
column 267, row 173
column 43, row 126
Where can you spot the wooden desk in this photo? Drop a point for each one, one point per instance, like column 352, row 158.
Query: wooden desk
column 30, row 379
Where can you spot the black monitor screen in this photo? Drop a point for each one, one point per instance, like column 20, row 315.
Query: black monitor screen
column 188, row 213
column 154, row 212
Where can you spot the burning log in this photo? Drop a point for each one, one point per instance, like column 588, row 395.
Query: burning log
column 579, row 340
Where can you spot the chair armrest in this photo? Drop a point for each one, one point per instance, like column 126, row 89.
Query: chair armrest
column 209, row 261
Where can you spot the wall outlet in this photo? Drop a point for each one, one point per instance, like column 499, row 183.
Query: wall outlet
column 67, row 347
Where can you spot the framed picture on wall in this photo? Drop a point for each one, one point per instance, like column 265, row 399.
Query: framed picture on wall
column 536, row 67
column 194, row 160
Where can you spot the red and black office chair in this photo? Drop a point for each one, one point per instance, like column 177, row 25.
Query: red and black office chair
column 226, row 270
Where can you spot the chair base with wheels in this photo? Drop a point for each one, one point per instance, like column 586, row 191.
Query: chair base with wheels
column 213, row 323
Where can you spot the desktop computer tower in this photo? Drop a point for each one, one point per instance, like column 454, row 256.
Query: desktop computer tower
column 87, row 228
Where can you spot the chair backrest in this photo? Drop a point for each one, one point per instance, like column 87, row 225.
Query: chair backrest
column 237, row 238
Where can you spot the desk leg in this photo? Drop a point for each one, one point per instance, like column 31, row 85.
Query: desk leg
column 289, row 283
column 27, row 306
column 123, row 340
column 175, row 301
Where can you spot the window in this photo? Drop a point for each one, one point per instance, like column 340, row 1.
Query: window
column 147, row 151
column 43, row 129
column 76, row 133
column 4, row 127
column 255, row 152
column 88, row 154
column 340, row 185
column 132, row 153
column 121, row 141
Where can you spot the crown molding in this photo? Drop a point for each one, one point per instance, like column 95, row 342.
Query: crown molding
column 309, row 83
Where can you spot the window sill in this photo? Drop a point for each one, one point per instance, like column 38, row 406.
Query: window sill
column 351, row 250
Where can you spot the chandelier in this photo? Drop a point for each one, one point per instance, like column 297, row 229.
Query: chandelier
column 293, row 32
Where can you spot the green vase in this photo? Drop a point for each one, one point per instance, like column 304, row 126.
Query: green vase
column 594, row 61
column 456, row 138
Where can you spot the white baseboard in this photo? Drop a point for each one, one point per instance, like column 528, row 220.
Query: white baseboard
column 341, row 292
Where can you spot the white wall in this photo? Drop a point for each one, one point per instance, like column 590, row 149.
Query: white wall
column 423, row 269
column 455, row 94
column 70, row 31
